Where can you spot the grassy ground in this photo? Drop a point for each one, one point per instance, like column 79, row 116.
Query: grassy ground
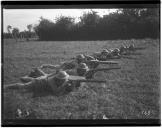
column 130, row 93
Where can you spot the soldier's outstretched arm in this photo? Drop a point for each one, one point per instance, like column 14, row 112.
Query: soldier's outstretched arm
column 26, row 79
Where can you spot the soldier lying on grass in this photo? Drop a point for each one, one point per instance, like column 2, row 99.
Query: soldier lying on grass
column 58, row 84
column 126, row 50
column 81, row 70
column 89, row 60
column 105, row 54
column 66, row 65
column 84, row 70
column 116, row 53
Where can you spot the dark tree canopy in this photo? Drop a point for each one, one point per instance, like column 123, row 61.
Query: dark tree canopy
column 122, row 24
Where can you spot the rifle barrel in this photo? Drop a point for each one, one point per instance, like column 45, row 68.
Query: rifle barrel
column 83, row 79
column 92, row 80
column 105, row 69
column 108, row 62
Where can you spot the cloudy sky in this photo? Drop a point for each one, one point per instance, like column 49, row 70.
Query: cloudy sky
column 20, row 18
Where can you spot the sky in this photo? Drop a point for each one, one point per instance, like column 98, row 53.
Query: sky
column 20, row 18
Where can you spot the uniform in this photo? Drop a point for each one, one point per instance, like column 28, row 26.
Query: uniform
column 56, row 84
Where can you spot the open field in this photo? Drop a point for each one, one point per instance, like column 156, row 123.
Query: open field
column 130, row 93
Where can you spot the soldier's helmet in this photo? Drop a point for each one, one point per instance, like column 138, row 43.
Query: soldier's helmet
column 82, row 69
column 88, row 57
column 131, row 46
column 122, row 47
column 104, row 51
column 59, row 79
column 80, row 58
column 116, row 50
column 62, row 75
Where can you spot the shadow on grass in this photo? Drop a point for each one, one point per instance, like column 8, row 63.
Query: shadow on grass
column 44, row 93
column 135, row 53
column 16, row 103
column 128, row 57
column 140, row 48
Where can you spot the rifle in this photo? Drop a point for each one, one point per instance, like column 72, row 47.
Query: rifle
column 90, row 73
column 140, row 48
column 101, row 62
column 107, row 62
column 83, row 79
column 127, row 57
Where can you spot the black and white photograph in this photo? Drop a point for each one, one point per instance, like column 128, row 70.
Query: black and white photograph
column 77, row 63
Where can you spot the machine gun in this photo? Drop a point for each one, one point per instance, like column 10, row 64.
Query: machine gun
column 94, row 63
column 75, row 82
column 83, row 79
column 90, row 73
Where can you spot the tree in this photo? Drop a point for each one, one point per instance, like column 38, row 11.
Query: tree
column 90, row 19
column 9, row 28
column 63, row 27
column 64, row 22
column 29, row 27
column 44, row 29
column 123, row 24
column 15, row 33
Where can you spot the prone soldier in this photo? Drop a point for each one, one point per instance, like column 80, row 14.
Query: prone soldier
column 131, row 47
column 58, row 84
column 101, row 55
column 108, row 54
column 37, row 72
column 115, row 53
column 84, row 70
column 123, row 50
column 81, row 70
column 92, row 62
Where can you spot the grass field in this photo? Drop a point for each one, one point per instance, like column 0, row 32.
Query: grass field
column 130, row 93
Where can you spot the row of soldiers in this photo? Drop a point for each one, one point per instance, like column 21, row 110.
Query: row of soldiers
column 68, row 75
column 116, row 53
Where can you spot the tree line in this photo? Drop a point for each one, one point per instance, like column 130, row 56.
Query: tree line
column 14, row 32
column 122, row 24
